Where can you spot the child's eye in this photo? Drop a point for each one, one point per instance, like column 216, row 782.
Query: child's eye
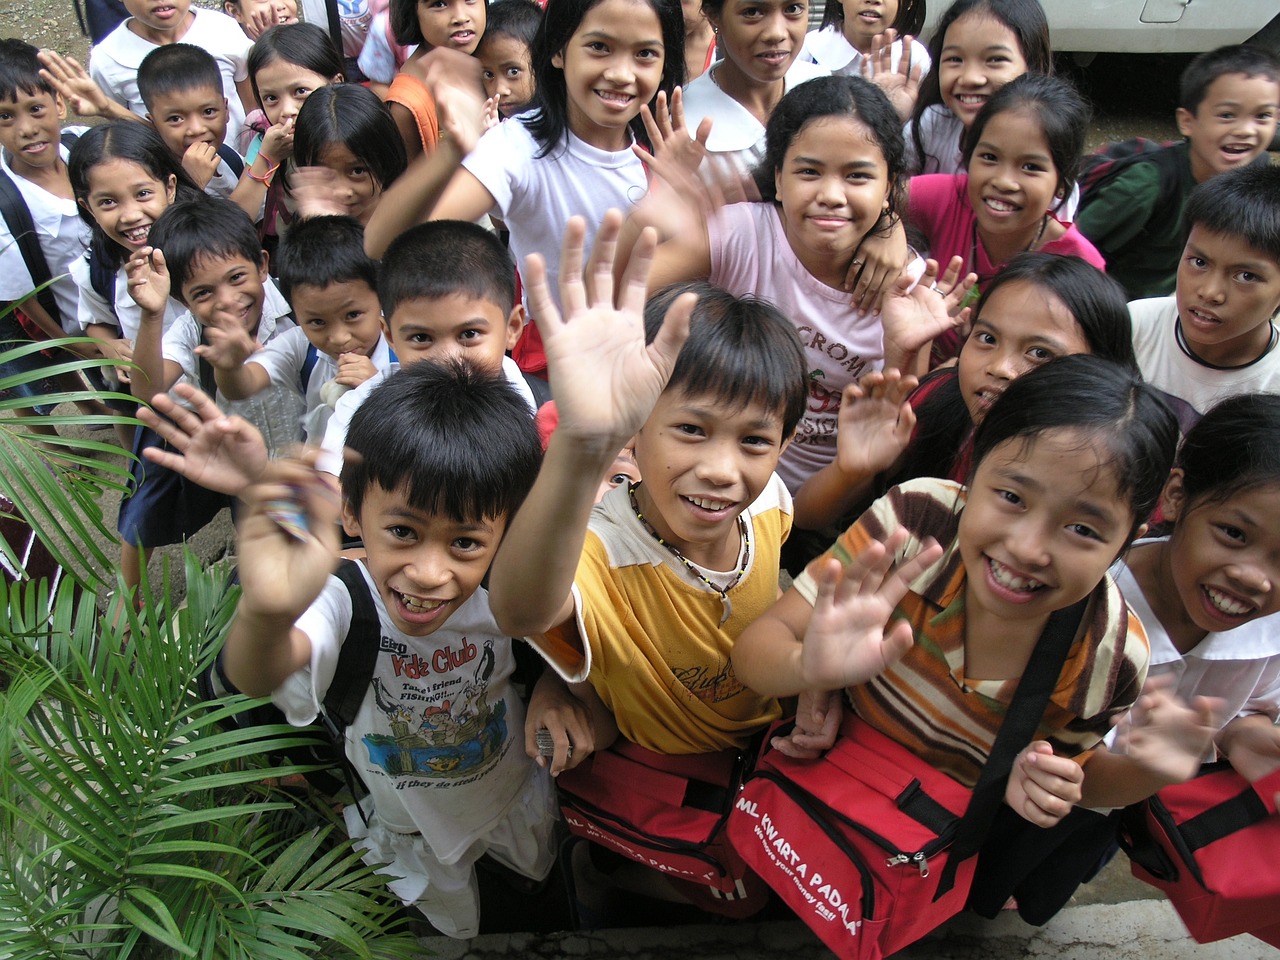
column 316, row 323
column 355, row 314
column 596, row 46
column 302, row 92
column 1009, row 497
column 1198, row 262
column 1231, row 533
column 486, row 74
column 467, row 545
column 1033, row 167
column 269, row 98
column 648, row 54
column 796, row 10
column 1084, row 531
column 400, row 531
column 986, row 157
column 421, row 339
column 618, row 479
column 1040, row 354
column 759, row 443
column 1245, row 276
column 997, row 60
column 238, row 277
column 983, row 338
column 513, row 73
column 689, row 429
column 469, row 336
column 211, row 112
column 358, row 171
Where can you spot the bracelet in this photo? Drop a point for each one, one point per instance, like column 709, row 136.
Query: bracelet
column 266, row 177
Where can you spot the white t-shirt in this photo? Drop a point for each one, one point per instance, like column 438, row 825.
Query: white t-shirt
column 1242, row 666
column 536, row 198
column 92, row 307
column 276, row 411
column 735, row 132
column 64, row 237
column 335, row 433
column 114, row 62
column 829, row 49
column 1190, row 387
column 283, row 359
column 750, row 255
column 438, row 738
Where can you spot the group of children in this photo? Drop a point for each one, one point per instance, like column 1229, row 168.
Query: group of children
column 982, row 429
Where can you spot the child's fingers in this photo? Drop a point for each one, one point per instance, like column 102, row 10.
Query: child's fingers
column 599, row 275
column 635, row 274
column 651, row 127
column 545, row 313
column 573, row 294
column 674, row 330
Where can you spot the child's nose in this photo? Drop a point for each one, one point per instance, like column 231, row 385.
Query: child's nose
column 1025, row 542
column 1250, row 576
column 1003, row 365
column 775, row 27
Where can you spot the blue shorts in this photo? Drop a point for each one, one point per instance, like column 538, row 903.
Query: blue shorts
column 163, row 507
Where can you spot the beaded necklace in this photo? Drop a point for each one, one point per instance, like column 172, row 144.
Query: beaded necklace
column 744, row 556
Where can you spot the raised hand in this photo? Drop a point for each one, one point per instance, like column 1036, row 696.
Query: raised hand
column 148, row 277
column 849, row 640
column 201, row 162
column 875, row 422
column 604, row 378
column 1166, row 736
column 74, row 85
column 914, row 315
column 277, row 142
column 669, row 134
column 313, row 190
column 901, row 81
column 1043, row 787
column 215, row 451
column 462, row 114
column 227, row 345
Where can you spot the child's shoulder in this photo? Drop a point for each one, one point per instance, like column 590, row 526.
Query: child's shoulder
column 216, row 32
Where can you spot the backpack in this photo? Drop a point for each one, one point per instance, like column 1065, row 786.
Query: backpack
column 325, row 746
column 13, row 208
column 99, row 17
column 1111, row 159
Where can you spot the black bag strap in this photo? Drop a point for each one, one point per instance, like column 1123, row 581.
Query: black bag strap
column 1020, row 723
column 359, row 653
column 232, row 159
column 1231, row 815
column 17, row 218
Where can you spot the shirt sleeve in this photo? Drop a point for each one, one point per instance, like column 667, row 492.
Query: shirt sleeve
column 283, row 357
column 91, row 307
column 326, row 622
column 492, row 162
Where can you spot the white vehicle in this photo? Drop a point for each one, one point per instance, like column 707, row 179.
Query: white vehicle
column 1151, row 26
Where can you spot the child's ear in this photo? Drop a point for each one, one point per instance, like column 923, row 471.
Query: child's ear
column 786, row 443
column 386, row 332
column 338, row 78
column 60, row 105
column 350, row 522
column 263, row 272
column 557, row 60
column 1184, row 118
column 515, row 325
column 1173, row 498
column 171, row 188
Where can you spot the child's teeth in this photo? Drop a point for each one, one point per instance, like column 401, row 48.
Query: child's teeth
column 709, row 504
column 1007, row 579
column 1225, row 604
column 413, row 603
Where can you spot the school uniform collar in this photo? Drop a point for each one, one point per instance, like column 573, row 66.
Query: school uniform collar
column 735, row 128
column 830, row 49
column 48, row 211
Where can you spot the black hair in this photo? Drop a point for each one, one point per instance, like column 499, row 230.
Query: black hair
column 176, row 68
column 1026, row 20
column 1232, row 448
column 1103, row 400
column 1100, row 307
column 458, row 440
column 352, row 115
column 190, row 232
column 1242, row 203
column 549, row 124
column 444, row 257
column 741, row 350
column 851, row 97
column 320, row 251
column 122, row 140
column 20, row 70
column 517, row 19
column 404, row 22
column 1233, row 58
column 302, row 44
column 1062, row 114
column 910, row 18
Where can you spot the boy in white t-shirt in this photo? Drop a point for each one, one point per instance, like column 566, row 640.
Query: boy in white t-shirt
column 113, row 63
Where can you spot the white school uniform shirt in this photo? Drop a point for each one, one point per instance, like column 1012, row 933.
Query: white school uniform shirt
column 335, row 434
column 830, row 49
column 122, row 313
column 283, row 359
column 114, row 62
column 735, row 133
column 64, row 237
column 1242, row 666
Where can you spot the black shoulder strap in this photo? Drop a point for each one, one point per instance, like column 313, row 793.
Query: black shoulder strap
column 17, row 217
column 1019, row 726
column 359, row 653
column 233, row 159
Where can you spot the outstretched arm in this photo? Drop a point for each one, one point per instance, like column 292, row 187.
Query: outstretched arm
column 81, row 91
column 221, row 453
column 149, row 286
column 605, row 381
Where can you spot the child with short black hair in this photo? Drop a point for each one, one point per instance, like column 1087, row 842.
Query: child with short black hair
column 1216, row 336
column 463, row 306
column 206, row 252
column 447, row 453
column 503, row 52
column 182, row 90
column 332, row 285
column 1228, row 102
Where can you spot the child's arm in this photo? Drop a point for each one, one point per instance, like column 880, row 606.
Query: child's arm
column 879, row 260
column 276, row 147
column 81, row 91
column 214, row 451
column 114, row 347
column 227, row 347
column 605, row 381
column 574, row 715
column 1252, row 745
column 844, row 638
column 280, row 576
column 873, row 429
column 149, row 287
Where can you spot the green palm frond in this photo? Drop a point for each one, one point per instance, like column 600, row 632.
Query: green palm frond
column 135, row 825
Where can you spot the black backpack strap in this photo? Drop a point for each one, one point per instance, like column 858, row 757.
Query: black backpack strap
column 359, row 653
column 102, row 275
column 233, row 159
column 1019, row 726
column 17, row 217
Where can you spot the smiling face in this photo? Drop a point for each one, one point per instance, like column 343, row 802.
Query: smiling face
column 284, row 86
column 126, row 199
column 979, row 56
column 1043, row 521
column 703, row 463
column 226, row 291
column 1226, row 294
column 1021, row 326
column 612, row 67
column 339, row 318
column 1013, row 182
column 864, row 20
column 455, row 326
column 30, row 130
column 506, row 72
column 456, row 24
column 1233, row 124
column 184, row 117
column 760, row 38
column 833, row 185
column 425, row 565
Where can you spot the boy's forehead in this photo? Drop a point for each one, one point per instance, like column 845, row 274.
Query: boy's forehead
column 20, row 95
column 203, row 94
column 447, row 312
column 211, row 267
column 753, row 410
column 398, row 502
column 1229, row 248
column 1241, row 88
